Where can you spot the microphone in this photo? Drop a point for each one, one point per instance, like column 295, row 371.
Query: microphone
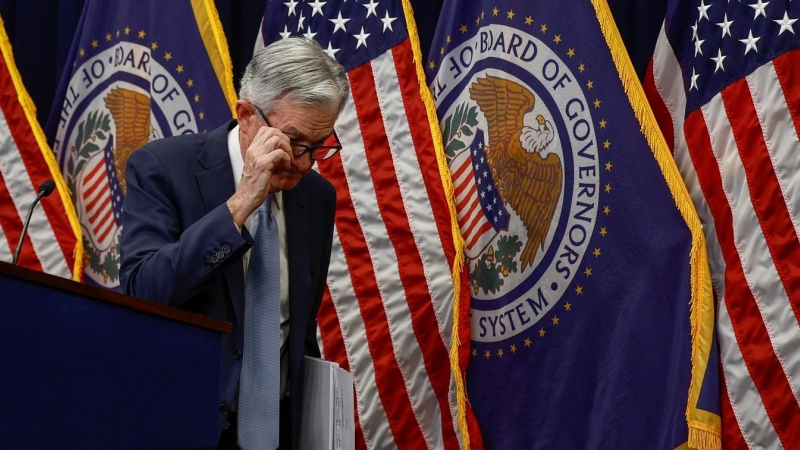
column 45, row 189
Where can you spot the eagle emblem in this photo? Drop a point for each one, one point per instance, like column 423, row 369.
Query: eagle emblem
column 131, row 113
column 527, row 181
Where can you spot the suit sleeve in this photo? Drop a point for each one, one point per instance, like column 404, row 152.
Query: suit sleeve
column 165, row 259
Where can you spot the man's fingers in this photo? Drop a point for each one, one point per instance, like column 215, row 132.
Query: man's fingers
column 277, row 159
column 274, row 152
column 267, row 141
column 271, row 139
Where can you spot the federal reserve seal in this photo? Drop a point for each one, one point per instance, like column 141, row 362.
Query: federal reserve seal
column 522, row 150
column 127, row 93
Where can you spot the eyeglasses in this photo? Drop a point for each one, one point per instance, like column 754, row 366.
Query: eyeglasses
column 317, row 152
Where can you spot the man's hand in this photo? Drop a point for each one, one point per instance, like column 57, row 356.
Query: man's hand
column 269, row 149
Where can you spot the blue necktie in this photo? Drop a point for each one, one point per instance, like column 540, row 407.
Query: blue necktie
column 259, row 396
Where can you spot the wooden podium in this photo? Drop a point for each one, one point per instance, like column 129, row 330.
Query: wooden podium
column 86, row 368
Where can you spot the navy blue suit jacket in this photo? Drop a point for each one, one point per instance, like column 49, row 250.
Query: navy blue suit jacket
column 180, row 247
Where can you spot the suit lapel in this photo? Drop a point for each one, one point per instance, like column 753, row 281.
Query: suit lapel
column 295, row 202
column 216, row 187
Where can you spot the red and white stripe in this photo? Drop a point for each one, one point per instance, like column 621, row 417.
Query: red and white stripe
column 390, row 283
column 471, row 219
column 739, row 155
column 97, row 210
column 50, row 242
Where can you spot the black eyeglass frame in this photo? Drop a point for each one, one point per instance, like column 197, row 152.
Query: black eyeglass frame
column 312, row 150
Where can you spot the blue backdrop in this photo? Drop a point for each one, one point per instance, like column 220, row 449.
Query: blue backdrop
column 41, row 33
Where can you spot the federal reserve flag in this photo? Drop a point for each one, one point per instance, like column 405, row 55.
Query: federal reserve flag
column 137, row 71
column 591, row 310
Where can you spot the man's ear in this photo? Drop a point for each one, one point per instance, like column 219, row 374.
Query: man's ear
column 244, row 114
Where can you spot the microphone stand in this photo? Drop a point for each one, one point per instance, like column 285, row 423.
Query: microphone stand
column 44, row 190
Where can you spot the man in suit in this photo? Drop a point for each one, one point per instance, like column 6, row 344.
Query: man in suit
column 190, row 214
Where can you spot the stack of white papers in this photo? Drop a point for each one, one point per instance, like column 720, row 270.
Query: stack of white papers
column 328, row 420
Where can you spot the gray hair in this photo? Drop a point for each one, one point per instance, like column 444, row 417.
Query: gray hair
column 295, row 69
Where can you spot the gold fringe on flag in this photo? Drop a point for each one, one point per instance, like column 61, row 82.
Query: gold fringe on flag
column 210, row 27
column 458, row 240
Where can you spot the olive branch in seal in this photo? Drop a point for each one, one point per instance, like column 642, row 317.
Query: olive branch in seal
column 97, row 125
column 459, row 124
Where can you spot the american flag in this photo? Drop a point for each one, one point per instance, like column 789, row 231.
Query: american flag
column 480, row 208
column 26, row 161
column 724, row 83
column 389, row 310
